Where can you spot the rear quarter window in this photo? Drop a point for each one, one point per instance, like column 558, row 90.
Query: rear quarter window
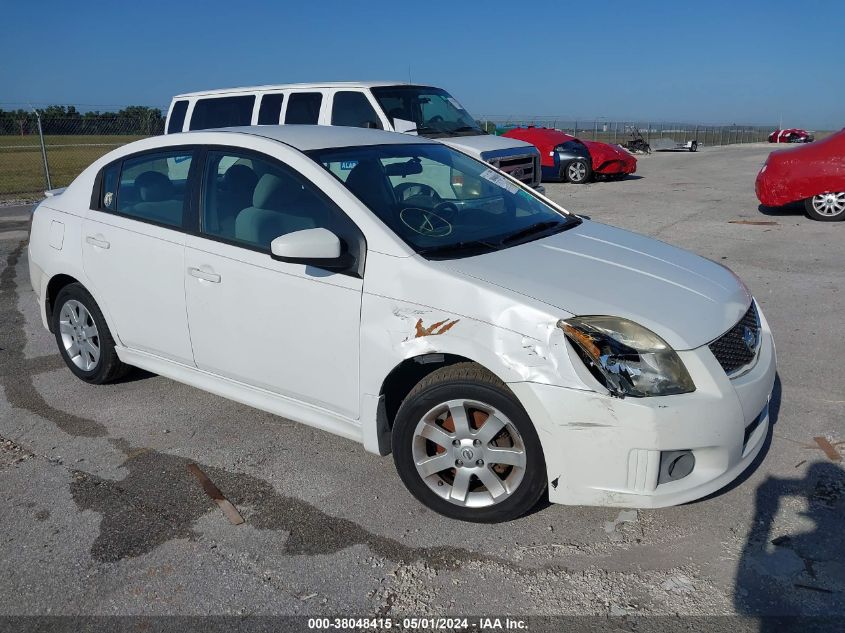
column 104, row 195
column 222, row 112
column 177, row 117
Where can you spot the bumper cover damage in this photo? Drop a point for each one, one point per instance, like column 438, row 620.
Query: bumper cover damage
column 602, row 450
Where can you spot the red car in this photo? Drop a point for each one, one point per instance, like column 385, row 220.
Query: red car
column 814, row 174
column 791, row 135
column 564, row 158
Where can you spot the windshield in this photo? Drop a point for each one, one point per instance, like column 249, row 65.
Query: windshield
column 435, row 112
column 442, row 203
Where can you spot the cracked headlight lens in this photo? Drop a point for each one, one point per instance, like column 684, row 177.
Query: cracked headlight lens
column 627, row 358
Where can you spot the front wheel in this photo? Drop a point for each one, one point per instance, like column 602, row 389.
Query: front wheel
column 693, row 146
column 464, row 446
column 84, row 340
column 579, row 171
column 826, row 207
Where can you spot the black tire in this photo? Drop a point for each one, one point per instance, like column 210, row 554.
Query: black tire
column 693, row 146
column 471, row 382
column 579, row 166
column 821, row 217
column 108, row 367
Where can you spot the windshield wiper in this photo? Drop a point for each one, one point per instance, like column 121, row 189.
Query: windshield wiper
column 464, row 128
column 427, row 129
column 469, row 128
column 534, row 229
column 458, row 247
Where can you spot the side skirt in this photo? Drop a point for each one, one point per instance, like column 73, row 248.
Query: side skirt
column 245, row 394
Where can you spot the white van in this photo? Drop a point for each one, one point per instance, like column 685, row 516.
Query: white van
column 398, row 107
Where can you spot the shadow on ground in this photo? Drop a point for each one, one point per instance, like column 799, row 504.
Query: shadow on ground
column 794, row 208
column 796, row 570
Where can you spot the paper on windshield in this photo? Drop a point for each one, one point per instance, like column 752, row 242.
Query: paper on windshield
column 404, row 126
column 498, row 179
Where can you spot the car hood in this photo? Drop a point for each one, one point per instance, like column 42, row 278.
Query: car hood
column 484, row 143
column 594, row 269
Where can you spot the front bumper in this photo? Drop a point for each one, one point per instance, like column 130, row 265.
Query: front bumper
column 606, row 451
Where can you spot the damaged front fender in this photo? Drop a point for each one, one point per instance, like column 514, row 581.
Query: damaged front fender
column 513, row 337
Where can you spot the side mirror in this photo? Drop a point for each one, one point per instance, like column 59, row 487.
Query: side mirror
column 310, row 246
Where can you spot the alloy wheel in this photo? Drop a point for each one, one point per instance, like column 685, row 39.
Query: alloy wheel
column 576, row 171
column 829, row 204
column 469, row 453
column 79, row 335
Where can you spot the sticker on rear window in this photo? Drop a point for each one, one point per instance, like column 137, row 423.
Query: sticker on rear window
column 346, row 165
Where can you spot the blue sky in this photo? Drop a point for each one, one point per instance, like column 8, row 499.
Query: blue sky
column 707, row 62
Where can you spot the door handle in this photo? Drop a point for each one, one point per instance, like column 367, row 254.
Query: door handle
column 97, row 241
column 204, row 275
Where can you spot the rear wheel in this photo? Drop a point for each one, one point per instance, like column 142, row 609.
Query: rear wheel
column 826, row 207
column 84, row 340
column 693, row 146
column 579, row 171
column 464, row 446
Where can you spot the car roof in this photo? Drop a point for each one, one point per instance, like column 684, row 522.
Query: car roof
column 310, row 137
column 326, row 84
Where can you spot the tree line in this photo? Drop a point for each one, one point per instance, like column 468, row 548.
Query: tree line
column 60, row 119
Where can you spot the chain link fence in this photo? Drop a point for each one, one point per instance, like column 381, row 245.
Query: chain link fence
column 623, row 131
column 39, row 152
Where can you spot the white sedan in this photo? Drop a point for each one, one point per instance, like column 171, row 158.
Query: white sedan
column 404, row 295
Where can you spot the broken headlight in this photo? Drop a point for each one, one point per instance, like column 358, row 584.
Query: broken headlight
column 627, row 358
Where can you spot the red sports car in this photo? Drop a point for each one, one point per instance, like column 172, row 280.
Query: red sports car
column 566, row 158
column 814, row 174
column 791, row 135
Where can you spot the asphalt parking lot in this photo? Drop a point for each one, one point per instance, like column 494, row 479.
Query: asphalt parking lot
column 98, row 514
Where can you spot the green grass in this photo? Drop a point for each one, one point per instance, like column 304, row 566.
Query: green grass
column 21, row 166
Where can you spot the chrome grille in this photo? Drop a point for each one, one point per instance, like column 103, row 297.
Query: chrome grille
column 520, row 167
column 738, row 346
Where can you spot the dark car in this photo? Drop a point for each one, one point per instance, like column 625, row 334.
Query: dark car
column 565, row 158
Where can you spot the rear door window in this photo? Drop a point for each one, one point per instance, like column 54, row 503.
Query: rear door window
column 270, row 111
column 353, row 109
column 304, row 108
column 222, row 112
column 153, row 187
column 177, row 117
